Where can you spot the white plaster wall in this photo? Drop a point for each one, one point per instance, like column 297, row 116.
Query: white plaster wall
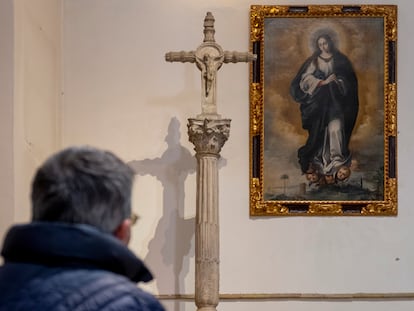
column 37, row 79
column 30, row 77
column 6, row 115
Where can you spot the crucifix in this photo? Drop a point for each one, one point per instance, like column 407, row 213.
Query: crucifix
column 208, row 132
column 209, row 57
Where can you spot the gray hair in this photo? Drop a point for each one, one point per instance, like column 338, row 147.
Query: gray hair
column 83, row 185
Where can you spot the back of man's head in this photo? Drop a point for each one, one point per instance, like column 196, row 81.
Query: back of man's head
column 83, row 185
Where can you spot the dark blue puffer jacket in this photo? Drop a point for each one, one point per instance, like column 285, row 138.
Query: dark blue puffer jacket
column 62, row 267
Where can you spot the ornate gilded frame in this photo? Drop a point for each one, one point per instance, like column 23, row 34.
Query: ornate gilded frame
column 367, row 35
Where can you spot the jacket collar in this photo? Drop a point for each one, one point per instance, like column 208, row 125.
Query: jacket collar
column 72, row 245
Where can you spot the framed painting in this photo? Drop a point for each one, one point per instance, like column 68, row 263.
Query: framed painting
column 323, row 110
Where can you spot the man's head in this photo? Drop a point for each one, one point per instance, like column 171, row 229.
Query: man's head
column 83, row 185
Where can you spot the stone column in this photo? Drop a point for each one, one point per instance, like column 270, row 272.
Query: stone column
column 208, row 137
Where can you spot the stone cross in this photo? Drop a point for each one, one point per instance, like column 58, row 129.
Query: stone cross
column 208, row 132
column 209, row 57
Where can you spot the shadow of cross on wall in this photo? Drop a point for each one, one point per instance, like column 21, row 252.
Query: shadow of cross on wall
column 169, row 249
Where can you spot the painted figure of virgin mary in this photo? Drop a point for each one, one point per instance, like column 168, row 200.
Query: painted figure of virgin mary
column 326, row 88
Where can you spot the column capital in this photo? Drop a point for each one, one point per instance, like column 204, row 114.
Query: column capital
column 208, row 136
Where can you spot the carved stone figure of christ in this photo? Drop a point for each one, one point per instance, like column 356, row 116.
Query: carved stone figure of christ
column 209, row 63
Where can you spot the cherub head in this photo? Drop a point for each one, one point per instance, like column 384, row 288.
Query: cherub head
column 313, row 177
column 329, row 179
column 343, row 173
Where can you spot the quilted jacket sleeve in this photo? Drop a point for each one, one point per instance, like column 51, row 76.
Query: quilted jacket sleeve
column 79, row 290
